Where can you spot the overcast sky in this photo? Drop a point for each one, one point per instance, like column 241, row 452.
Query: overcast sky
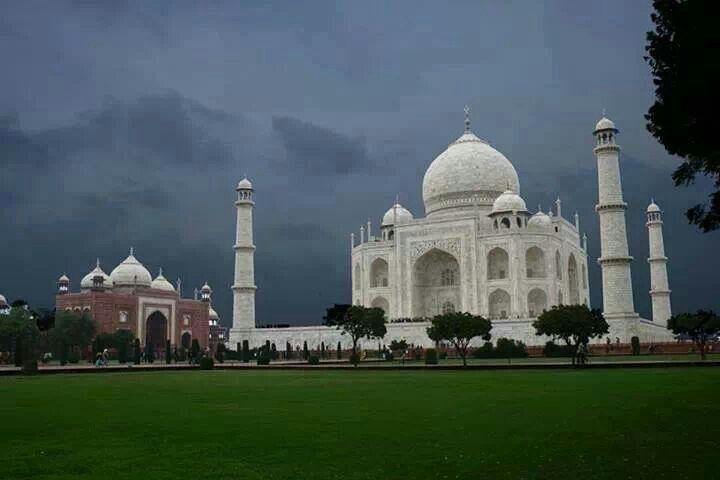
column 129, row 123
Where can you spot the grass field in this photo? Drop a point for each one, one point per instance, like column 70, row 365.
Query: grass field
column 644, row 423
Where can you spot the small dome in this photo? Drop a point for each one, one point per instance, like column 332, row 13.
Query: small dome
column 244, row 184
column 131, row 272
column 213, row 314
column 396, row 213
column 161, row 283
column 3, row 301
column 653, row 207
column 509, row 201
column 540, row 221
column 87, row 281
column 605, row 124
column 64, row 279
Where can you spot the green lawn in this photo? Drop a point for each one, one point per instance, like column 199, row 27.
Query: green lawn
column 635, row 423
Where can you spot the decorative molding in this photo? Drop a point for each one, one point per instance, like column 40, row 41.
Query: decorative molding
column 449, row 245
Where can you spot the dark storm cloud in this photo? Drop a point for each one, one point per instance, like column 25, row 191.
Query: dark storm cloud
column 319, row 151
column 128, row 123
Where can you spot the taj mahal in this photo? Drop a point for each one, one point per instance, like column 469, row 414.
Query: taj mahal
column 477, row 249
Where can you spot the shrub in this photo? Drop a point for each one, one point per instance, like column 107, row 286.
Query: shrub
column 554, row 350
column 73, row 356
column 339, row 351
column 314, row 360
column 305, row 350
column 507, row 348
column 389, row 357
column 635, row 343
column 30, row 367
column 486, row 351
column 431, row 357
column 246, row 351
column 442, row 355
column 417, row 353
column 206, row 363
column 355, row 358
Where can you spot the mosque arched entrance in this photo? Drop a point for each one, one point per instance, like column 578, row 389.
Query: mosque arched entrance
column 436, row 284
column 186, row 340
column 156, row 331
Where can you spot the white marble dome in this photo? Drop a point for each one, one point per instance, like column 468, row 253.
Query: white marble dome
column 131, row 272
column 87, row 280
column 213, row 314
column 509, row 201
column 63, row 279
column 161, row 283
column 653, row 207
column 3, row 301
column 605, row 124
column 468, row 172
column 540, row 221
column 396, row 213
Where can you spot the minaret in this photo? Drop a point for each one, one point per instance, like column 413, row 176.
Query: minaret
column 659, row 289
column 244, row 285
column 614, row 256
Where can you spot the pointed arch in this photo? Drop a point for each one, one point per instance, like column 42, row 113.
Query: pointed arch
column 499, row 303
column 379, row 273
column 381, row 303
column 535, row 263
column 573, row 281
column 498, row 264
column 537, row 302
column 558, row 265
column 436, row 281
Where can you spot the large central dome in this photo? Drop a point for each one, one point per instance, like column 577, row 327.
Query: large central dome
column 469, row 173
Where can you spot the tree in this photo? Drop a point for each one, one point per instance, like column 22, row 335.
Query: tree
column 339, row 351
column 357, row 322
column 573, row 324
column 19, row 334
column 195, row 350
column 700, row 327
column 71, row 332
column 305, row 350
column 220, row 352
column 123, row 339
column 137, row 351
column 683, row 117
column 459, row 328
column 399, row 347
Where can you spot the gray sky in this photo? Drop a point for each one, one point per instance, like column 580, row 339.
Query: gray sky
column 128, row 123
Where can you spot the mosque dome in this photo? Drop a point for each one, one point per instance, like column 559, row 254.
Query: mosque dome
column 63, row 279
column 653, row 207
column 87, row 281
column 605, row 124
column 131, row 272
column 3, row 301
column 213, row 315
column 468, row 172
column 540, row 221
column 396, row 213
column 509, row 201
column 161, row 283
column 244, row 184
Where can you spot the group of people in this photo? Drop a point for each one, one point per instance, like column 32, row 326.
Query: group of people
column 102, row 358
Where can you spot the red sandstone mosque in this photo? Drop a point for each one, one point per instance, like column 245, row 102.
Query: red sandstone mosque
column 153, row 309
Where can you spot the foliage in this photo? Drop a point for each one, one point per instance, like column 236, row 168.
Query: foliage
column 263, row 358
column 19, row 334
column 683, row 117
column 552, row 349
column 288, row 350
column 574, row 324
column 195, row 350
column 168, row 352
column 339, row 351
column 486, row 351
column 508, row 348
column 71, row 332
column 220, row 352
column 206, row 363
column 357, row 321
column 306, row 352
column 30, row 366
column 431, row 356
column 635, row 343
column 314, row 360
column 355, row 358
column 137, row 351
column 459, row 328
column 699, row 326
column 398, row 346
column 245, row 351
column 73, row 356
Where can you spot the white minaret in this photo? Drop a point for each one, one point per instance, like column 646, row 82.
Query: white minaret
column 618, row 305
column 244, row 285
column 659, row 288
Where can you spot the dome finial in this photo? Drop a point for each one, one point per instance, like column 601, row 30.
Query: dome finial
column 604, row 112
column 132, row 251
column 160, row 272
column 97, row 262
column 467, row 119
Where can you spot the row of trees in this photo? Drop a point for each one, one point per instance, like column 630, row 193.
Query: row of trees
column 574, row 325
